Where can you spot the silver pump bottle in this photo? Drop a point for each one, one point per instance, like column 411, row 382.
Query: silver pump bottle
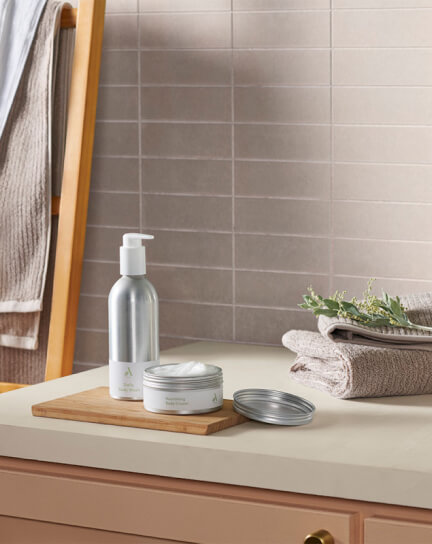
column 133, row 316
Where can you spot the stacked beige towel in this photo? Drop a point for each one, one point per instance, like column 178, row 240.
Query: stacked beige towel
column 31, row 157
column 349, row 361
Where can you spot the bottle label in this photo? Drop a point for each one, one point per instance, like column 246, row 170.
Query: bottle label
column 126, row 379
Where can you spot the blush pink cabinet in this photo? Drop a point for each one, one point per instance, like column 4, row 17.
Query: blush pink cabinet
column 50, row 503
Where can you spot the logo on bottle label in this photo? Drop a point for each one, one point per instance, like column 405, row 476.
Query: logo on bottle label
column 126, row 379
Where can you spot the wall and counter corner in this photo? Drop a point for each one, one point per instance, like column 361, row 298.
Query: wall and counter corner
column 253, row 138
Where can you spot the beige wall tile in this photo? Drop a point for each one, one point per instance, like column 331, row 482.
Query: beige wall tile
column 300, row 67
column 98, row 277
column 196, row 320
column 187, row 176
column 382, row 66
column 285, row 179
column 401, row 182
column 118, row 103
column 121, row 6
column 186, row 140
column 83, row 367
column 186, row 103
column 290, row 29
column 184, row 5
column 370, row 258
column 113, row 209
column 383, row 144
column 121, row 32
column 276, row 289
column 262, row 326
column 119, row 68
column 193, row 67
column 91, row 347
column 382, row 4
column 116, row 139
column 356, row 286
column 382, row 28
column 93, row 313
column 102, row 243
column 115, row 174
column 382, row 105
column 382, row 221
column 282, row 253
column 283, row 142
column 184, row 30
column 168, row 342
column 192, row 284
column 191, row 249
column 276, row 216
column 187, row 212
column 282, row 105
column 279, row 4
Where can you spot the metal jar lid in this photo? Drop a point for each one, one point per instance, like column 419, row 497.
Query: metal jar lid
column 275, row 407
column 211, row 380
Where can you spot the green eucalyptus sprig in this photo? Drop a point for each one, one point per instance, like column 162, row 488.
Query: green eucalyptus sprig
column 371, row 311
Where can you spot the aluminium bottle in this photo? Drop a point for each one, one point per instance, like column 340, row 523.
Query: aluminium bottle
column 133, row 322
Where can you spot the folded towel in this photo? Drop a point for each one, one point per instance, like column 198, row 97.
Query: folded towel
column 18, row 23
column 419, row 310
column 25, row 181
column 22, row 365
column 348, row 370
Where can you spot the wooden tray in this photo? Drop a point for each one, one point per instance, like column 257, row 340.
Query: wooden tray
column 96, row 406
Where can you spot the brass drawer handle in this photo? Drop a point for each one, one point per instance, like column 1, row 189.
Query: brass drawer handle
column 319, row 537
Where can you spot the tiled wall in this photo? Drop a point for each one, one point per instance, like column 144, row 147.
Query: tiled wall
column 268, row 145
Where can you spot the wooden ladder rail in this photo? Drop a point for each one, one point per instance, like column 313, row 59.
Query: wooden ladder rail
column 71, row 206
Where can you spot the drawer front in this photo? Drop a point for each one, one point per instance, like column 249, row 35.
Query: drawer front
column 168, row 515
column 387, row 531
column 27, row 531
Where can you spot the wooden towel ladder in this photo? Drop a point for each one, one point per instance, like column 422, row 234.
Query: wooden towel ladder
column 71, row 206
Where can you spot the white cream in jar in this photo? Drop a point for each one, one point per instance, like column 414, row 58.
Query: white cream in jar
column 184, row 388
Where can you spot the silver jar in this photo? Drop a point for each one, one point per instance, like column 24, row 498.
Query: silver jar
column 182, row 394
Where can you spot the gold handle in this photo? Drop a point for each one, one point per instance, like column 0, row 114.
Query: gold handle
column 319, row 537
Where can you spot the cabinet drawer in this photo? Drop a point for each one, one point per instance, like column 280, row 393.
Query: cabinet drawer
column 165, row 514
column 27, row 531
column 388, row 531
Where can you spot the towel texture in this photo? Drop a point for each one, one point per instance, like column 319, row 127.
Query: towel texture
column 25, row 184
column 18, row 23
column 347, row 331
column 28, row 366
column 348, row 370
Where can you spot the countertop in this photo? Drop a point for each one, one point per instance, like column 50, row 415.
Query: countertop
column 371, row 449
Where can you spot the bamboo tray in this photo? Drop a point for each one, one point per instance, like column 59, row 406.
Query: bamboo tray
column 96, row 406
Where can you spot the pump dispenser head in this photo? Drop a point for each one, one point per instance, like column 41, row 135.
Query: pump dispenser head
column 132, row 254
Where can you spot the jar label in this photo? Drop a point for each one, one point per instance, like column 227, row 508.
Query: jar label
column 179, row 401
column 126, row 379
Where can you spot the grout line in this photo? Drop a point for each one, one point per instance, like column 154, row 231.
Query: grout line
column 332, row 144
column 262, row 159
column 218, row 122
column 140, row 181
column 233, row 236
column 269, row 49
column 206, row 122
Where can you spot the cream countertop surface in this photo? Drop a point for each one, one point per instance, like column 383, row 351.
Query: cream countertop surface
column 373, row 449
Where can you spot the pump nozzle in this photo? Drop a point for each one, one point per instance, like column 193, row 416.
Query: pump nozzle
column 133, row 239
column 132, row 254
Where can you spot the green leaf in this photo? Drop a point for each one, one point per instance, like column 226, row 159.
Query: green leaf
column 331, row 304
column 350, row 308
column 304, row 306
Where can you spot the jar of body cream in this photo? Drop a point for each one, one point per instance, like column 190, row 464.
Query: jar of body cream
column 184, row 388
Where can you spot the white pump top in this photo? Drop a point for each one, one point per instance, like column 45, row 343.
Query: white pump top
column 132, row 254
